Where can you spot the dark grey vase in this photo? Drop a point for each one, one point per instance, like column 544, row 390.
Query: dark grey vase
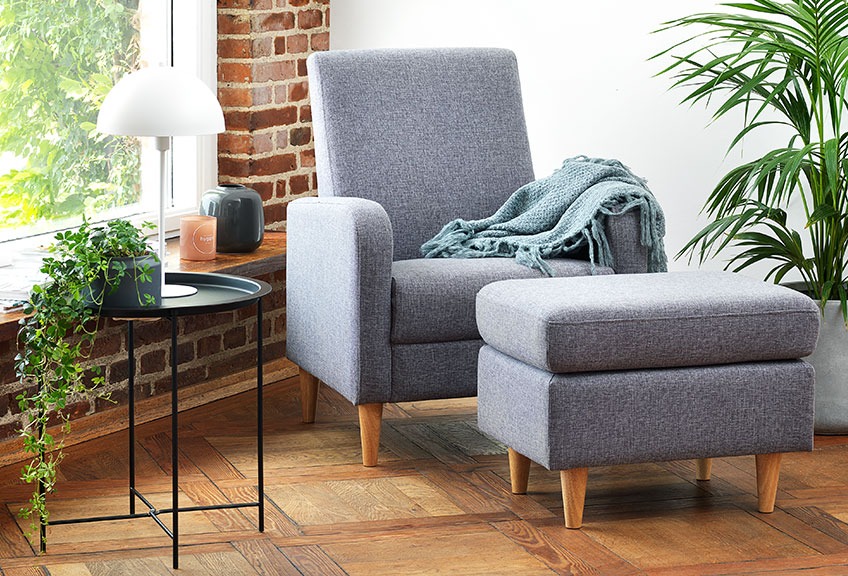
column 127, row 292
column 240, row 215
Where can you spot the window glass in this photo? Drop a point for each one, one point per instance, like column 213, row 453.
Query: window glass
column 58, row 60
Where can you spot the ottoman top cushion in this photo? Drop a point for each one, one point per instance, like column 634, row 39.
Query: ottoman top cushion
column 633, row 321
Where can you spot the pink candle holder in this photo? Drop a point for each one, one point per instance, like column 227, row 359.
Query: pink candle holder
column 197, row 237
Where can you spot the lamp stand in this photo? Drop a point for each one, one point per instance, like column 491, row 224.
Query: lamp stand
column 163, row 144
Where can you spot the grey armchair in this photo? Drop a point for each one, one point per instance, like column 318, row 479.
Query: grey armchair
column 406, row 140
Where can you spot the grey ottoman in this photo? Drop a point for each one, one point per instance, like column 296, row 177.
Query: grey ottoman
column 603, row 370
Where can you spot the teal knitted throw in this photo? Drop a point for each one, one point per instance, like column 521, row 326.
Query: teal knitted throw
column 555, row 215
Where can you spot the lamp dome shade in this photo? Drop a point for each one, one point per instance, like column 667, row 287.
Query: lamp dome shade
column 160, row 101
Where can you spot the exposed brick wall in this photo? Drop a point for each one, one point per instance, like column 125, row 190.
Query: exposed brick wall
column 209, row 346
column 262, row 86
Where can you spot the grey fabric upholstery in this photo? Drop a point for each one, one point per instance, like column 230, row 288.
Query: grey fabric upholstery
column 406, row 140
column 433, row 298
column 646, row 321
column 564, row 421
column 338, row 291
column 431, row 134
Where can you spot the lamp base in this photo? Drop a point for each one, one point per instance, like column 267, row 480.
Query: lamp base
column 177, row 290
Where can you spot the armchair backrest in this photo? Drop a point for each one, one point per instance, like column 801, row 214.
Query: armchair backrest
column 430, row 134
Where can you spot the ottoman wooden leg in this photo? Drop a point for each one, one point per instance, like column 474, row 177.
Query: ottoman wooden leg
column 768, row 472
column 519, row 471
column 573, row 495
column 704, row 467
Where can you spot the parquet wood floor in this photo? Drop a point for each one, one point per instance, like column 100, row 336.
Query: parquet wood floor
column 438, row 503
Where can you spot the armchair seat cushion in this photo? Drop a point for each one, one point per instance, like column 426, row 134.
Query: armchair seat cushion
column 433, row 299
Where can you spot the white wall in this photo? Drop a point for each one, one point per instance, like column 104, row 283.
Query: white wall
column 588, row 87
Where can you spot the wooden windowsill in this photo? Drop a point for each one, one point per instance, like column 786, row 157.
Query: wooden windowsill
column 270, row 256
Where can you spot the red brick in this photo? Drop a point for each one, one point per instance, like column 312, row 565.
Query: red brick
column 208, row 345
column 272, row 71
column 314, row 174
column 185, row 351
column 234, row 48
column 274, row 350
column 281, row 189
column 320, row 41
column 237, row 120
column 263, row 4
column 234, row 97
column 297, row 3
column 118, row 371
column 263, row 143
column 301, row 68
column 299, row 184
column 233, row 167
column 298, row 91
column 235, row 143
column 272, row 165
column 263, row 95
column 234, row 337
column 262, row 47
column 233, row 24
column 300, row 136
column 309, row 19
column 282, row 137
column 266, row 191
column 271, row 117
column 276, row 21
column 237, row 72
column 152, row 362
column 297, row 43
column 280, row 45
column 275, row 213
column 306, row 113
column 307, row 159
column 151, row 332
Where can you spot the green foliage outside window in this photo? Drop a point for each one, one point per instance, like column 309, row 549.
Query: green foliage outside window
column 58, row 60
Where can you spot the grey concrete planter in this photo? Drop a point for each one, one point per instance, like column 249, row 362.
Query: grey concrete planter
column 831, row 363
column 126, row 293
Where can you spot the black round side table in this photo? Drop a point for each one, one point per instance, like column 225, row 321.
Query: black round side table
column 215, row 293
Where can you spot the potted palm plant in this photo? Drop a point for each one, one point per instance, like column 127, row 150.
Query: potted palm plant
column 85, row 268
column 781, row 62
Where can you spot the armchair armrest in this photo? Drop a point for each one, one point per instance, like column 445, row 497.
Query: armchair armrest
column 338, row 294
column 624, row 235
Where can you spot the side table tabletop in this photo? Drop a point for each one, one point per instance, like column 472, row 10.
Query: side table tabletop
column 215, row 293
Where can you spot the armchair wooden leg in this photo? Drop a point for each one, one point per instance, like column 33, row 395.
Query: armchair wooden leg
column 519, row 471
column 370, row 421
column 574, row 495
column 768, row 472
column 308, row 395
column 704, row 467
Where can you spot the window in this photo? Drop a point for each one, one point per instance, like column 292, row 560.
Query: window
column 58, row 60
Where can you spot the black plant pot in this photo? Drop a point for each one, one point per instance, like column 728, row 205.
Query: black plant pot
column 128, row 292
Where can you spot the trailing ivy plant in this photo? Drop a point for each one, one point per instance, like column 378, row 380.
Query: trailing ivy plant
column 57, row 336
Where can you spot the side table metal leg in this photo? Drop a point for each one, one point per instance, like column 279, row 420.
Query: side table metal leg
column 131, row 410
column 175, row 497
column 259, row 417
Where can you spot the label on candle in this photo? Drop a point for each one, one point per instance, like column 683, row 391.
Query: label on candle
column 197, row 237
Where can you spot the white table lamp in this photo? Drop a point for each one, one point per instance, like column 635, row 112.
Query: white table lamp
column 161, row 102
